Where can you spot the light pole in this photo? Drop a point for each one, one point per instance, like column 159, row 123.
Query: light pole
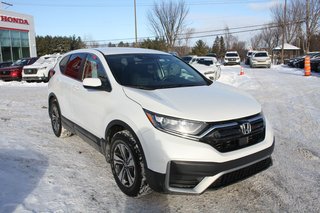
column 135, row 23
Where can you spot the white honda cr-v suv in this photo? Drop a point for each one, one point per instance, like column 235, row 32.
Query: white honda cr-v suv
column 158, row 121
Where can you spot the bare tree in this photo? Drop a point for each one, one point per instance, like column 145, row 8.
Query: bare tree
column 184, row 42
column 256, row 41
column 297, row 12
column 168, row 20
column 229, row 38
column 294, row 18
column 312, row 20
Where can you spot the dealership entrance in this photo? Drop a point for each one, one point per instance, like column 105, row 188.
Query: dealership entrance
column 17, row 36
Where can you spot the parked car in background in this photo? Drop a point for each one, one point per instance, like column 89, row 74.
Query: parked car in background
column 208, row 66
column 231, row 58
column 249, row 54
column 260, row 59
column 299, row 62
column 189, row 58
column 212, row 55
column 39, row 70
column 315, row 63
column 158, row 122
column 14, row 72
column 5, row 64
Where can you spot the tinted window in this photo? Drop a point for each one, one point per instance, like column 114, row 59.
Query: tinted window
column 231, row 55
column 73, row 68
column 261, row 55
column 63, row 63
column 93, row 68
column 207, row 62
column 21, row 62
column 153, row 71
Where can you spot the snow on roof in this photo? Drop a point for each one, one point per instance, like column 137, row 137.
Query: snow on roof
column 125, row 50
column 286, row 47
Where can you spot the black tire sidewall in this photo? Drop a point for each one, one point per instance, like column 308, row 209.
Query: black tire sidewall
column 54, row 103
column 134, row 149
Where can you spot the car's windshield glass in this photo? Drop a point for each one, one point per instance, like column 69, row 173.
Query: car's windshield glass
column 260, row 55
column 249, row 53
column 20, row 62
column 231, row 55
column 153, row 71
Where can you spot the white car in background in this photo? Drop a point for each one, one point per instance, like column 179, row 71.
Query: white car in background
column 231, row 58
column 260, row 59
column 39, row 70
column 208, row 66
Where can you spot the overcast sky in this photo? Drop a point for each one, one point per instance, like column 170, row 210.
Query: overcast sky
column 114, row 20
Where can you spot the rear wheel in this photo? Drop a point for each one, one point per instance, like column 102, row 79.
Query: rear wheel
column 127, row 164
column 55, row 116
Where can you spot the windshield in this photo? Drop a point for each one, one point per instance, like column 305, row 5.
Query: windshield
column 153, row 71
column 261, row 54
column 231, row 55
column 20, row 62
column 46, row 59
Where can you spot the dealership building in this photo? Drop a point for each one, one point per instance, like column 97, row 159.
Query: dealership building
column 17, row 36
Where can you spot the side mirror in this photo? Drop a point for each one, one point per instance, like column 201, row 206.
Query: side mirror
column 91, row 83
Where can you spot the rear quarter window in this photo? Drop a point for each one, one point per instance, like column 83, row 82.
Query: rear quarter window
column 63, row 63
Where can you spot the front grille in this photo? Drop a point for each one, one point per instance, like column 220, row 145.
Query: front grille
column 5, row 72
column 30, row 71
column 228, row 136
column 241, row 174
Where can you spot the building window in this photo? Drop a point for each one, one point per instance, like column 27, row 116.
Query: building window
column 14, row 45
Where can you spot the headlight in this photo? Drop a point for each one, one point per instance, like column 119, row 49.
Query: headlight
column 175, row 125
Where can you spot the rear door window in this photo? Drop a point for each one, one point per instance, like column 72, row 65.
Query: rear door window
column 74, row 66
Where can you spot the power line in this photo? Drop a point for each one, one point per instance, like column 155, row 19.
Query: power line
column 97, row 5
column 255, row 28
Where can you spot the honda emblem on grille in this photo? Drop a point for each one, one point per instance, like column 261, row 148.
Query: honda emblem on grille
column 245, row 128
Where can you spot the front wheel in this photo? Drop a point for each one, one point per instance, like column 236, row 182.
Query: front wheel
column 127, row 164
column 55, row 116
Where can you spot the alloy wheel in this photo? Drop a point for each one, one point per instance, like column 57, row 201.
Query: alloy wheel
column 124, row 164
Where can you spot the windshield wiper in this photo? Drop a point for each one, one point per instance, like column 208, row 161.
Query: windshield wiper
column 141, row 87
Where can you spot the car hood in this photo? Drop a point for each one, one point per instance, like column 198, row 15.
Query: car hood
column 37, row 66
column 204, row 68
column 217, row 102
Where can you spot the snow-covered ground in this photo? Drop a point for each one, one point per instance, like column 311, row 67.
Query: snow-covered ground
column 42, row 173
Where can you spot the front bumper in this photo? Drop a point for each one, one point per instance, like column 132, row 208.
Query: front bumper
column 195, row 177
column 34, row 78
column 10, row 78
column 231, row 62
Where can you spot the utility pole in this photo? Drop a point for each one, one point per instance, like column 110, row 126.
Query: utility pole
column 307, row 26
column 283, row 30
column 135, row 23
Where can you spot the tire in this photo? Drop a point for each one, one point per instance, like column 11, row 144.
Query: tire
column 55, row 116
column 127, row 165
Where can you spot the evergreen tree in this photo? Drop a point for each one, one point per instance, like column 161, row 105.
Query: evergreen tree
column 216, row 46
column 156, row 44
column 222, row 48
column 57, row 44
column 200, row 48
